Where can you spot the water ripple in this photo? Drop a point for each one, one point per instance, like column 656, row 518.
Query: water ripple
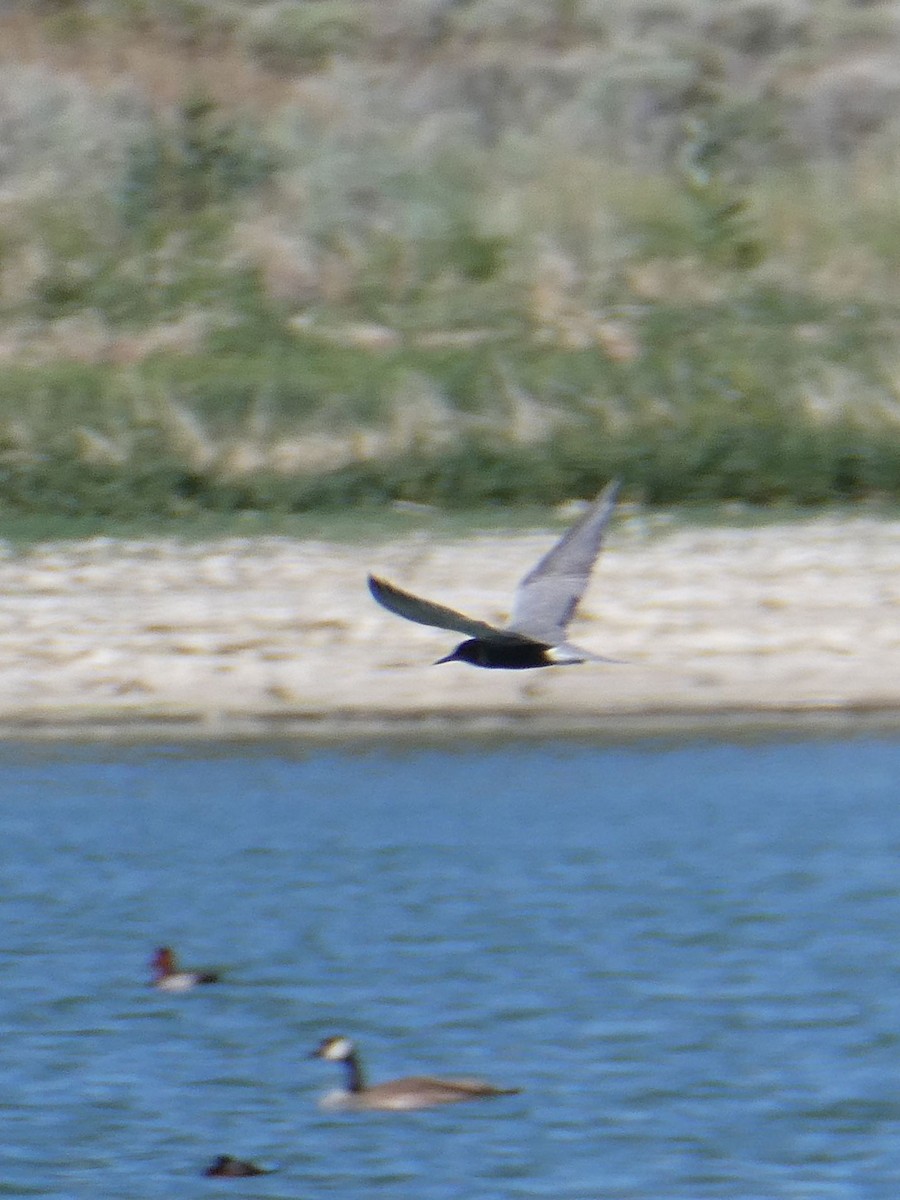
column 686, row 957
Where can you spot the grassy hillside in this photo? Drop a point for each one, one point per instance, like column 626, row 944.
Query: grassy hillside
column 280, row 256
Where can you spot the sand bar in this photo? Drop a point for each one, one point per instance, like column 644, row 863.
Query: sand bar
column 791, row 624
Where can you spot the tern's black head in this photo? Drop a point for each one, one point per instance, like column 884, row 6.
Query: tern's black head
column 506, row 655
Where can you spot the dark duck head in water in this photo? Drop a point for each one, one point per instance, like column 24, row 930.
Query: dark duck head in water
column 224, row 1166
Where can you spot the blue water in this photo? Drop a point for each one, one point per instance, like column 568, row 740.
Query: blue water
column 687, row 957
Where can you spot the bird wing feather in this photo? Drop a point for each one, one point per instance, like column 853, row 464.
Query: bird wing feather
column 547, row 597
column 439, row 616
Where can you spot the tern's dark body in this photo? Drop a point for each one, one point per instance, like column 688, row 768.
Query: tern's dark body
column 545, row 603
column 508, row 656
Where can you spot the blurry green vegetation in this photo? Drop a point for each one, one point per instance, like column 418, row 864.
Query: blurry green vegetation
column 197, row 161
column 472, row 254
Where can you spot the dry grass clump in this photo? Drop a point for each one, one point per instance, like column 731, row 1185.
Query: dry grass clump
column 419, row 421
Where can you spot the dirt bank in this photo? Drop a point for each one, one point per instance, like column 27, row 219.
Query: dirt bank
column 275, row 635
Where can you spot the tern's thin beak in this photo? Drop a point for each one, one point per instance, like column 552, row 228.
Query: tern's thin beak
column 447, row 658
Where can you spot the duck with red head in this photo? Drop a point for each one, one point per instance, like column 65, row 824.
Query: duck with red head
column 167, row 976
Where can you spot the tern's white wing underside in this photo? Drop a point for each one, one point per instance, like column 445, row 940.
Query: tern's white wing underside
column 547, row 597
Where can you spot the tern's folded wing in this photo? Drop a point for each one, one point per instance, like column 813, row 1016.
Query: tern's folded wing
column 424, row 612
column 547, row 596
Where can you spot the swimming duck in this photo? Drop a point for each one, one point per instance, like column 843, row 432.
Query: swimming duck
column 416, row 1091
column 545, row 603
column 167, row 976
column 226, row 1167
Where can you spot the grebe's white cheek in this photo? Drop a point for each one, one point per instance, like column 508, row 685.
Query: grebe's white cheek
column 338, row 1049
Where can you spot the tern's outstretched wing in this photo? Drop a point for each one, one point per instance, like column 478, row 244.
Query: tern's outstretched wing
column 548, row 595
column 425, row 612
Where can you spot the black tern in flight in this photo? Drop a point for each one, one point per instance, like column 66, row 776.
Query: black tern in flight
column 545, row 602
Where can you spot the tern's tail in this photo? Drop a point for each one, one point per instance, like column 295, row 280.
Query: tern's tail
column 566, row 654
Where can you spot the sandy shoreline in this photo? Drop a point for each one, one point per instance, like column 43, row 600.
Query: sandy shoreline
column 788, row 625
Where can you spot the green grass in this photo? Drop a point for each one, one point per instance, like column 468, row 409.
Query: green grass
column 724, row 401
column 373, row 525
column 486, row 257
